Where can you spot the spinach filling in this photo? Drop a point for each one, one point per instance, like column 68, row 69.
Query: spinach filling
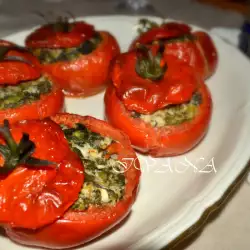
column 172, row 114
column 14, row 96
column 49, row 55
column 104, row 179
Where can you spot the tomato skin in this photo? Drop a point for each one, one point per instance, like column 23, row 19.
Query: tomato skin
column 48, row 105
column 20, row 51
column 159, row 142
column 76, row 228
column 200, row 53
column 47, row 37
column 89, row 74
column 209, row 51
column 34, row 197
column 190, row 53
column 12, row 72
column 177, row 85
column 166, row 30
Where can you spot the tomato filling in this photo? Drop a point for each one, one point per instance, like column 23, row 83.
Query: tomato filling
column 13, row 96
column 104, row 177
column 50, row 55
column 172, row 114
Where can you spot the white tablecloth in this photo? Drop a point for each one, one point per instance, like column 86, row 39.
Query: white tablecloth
column 230, row 230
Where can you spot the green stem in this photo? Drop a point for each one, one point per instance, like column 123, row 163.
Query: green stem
column 62, row 24
column 5, row 131
column 148, row 66
column 18, row 154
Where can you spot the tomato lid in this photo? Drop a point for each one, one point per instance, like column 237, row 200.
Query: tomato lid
column 61, row 34
column 146, row 81
column 40, row 176
column 17, row 64
column 151, row 31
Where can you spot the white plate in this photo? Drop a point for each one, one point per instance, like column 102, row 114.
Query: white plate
column 173, row 197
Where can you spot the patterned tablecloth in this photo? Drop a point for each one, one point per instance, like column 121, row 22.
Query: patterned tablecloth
column 230, row 230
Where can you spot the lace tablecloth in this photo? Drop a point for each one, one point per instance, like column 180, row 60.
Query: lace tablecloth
column 230, row 230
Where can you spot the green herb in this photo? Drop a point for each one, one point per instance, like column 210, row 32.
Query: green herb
column 13, row 96
column 149, row 66
column 49, row 55
column 173, row 114
column 104, row 180
column 145, row 25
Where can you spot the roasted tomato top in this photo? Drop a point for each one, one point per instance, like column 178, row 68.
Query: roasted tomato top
column 61, row 34
column 145, row 80
column 112, row 173
column 150, row 31
column 40, row 175
column 195, row 48
column 16, row 64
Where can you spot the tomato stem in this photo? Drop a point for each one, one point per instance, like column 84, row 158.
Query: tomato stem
column 150, row 66
column 62, row 24
column 18, row 154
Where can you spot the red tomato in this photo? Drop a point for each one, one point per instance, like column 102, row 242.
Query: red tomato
column 158, row 142
column 208, row 49
column 76, row 228
column 32, row 196
column 49, row 104
column 13, row 71
column 146, row 84
column 89, row 73
column 195, row 48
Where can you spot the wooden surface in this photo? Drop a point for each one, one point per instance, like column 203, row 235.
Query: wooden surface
column 241, row 6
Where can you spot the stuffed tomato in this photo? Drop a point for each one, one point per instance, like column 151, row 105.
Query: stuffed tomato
column 25, row 92
column 193, row 47
column 75, row 54
column 111, row 172
column 161, row 104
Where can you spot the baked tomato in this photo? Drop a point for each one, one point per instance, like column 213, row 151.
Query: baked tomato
column 40, row 175
column 159, row 103
column 195, row 48
column 25, row 92
column 75, row 54
column 112, row 175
